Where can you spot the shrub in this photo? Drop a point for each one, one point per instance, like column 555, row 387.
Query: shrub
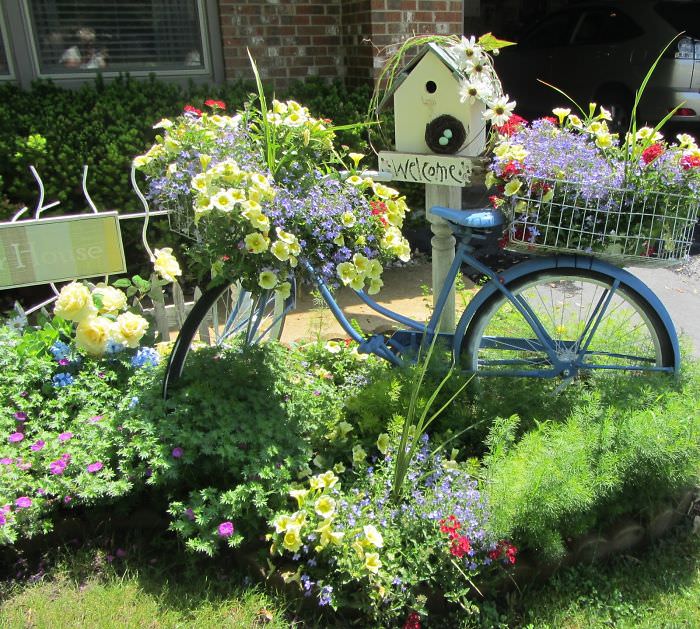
column 603, row 458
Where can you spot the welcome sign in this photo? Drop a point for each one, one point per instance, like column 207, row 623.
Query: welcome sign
column 63, row 248
column 436, row 169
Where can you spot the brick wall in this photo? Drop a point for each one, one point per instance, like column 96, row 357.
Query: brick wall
column 293, row 39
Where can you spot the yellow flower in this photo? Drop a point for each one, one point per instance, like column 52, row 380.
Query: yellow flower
column 372, row 562
column 199, row 182
column 356, row 158
column 375, row 270
column 325, row 506
column 74, row 303
column 354, row 180
column 141, row 160
column 113, row 299
column 358, row 282
column 344, row 428
column 333, row 347
column 338, row 468
column 163, row 124
column 329, row 479
column 280, row 523
column 292, row 540
column 284, row 290
column 575, row 121
column 362, row 264
column 256, row 243
column 93, row 333
column 280, row 250
column 166, row 265
column 284, row 236
column 223, row 200
column 357, row 547
column 358, row 455
column 315, row 482
column 373, row 536
column 346, row 272
column 561, row 113
column 384, row 192
column 374, row 286
column 267, row 280
column 383, row 443
column 512, row 187
column 299, row 495
column 130, row 328
column 164, row 348
column 348, row 219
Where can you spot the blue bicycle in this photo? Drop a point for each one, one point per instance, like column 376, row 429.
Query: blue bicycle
column 547, row 317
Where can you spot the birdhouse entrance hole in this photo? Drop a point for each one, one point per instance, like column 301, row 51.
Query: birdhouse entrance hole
column 431, row 87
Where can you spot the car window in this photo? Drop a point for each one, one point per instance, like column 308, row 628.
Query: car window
column 554, row 30
column 683, row 16
column 605, row 26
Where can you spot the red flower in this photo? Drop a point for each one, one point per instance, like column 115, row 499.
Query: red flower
column 378, row 207
column 512, row 125
column 690, row 161
column 412, row 622
column 650, row 153
column 225, row 258
column 192, row 110
column 505, row 551
column 649, row 250
column 495, row 201
column 511, row 169
column 450, row 525
column 215, row 104
column 460, row 546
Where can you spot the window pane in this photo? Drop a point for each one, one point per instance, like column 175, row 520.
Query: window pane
column 117, row 35
column 4, row 66
column 605, row 26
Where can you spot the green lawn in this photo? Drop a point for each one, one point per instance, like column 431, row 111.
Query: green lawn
column 657, row 587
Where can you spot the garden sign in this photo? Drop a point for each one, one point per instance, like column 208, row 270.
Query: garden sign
column 45, row 250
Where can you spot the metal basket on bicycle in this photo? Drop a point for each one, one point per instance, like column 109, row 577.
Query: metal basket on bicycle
column 181, row 217
column 626, row 227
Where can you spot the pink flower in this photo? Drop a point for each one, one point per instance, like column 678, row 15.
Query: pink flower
column 96, row 418
column 6, row 460
column 57, row 467
column 94, row 467
column 193, row 110
column 23, row 502
column 215, row 104
column 177, row 452
column 20, row 416
column 67, row 499
column 65, row 436
column 650, row 153
column 37, row 445
column 226, row 529
column 189, row 514
column 15, row 437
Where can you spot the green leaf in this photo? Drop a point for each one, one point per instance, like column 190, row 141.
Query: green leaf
column 488, row 42
column 123, row 282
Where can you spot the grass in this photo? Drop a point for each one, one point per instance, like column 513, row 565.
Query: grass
column 657, row 587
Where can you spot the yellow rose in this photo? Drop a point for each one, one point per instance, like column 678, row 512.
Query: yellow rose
column 93, row 333
column 166, row 265
column 113, row 299
column 74, row 303
column 130, row 328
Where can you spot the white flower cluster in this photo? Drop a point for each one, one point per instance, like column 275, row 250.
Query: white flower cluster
column 480, row 81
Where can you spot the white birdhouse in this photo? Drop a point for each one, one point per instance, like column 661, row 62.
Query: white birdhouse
column 429, row 117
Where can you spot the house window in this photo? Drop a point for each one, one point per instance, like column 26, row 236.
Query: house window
column 5, row 72
column 77, row 36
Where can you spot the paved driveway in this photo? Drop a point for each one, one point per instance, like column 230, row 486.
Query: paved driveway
column 679, row 290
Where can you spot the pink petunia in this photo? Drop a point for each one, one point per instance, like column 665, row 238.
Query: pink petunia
column 94, row 467
column 23, row 502
column 65, row 436
column 15, row 437
column 37, row 445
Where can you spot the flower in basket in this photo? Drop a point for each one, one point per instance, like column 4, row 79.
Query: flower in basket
column 260, row 190
column 568, row 184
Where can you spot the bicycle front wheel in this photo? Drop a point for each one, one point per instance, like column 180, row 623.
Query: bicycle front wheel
column 587, row 321
column 224, row 316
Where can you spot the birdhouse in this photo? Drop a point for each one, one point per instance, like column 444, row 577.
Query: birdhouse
column 429, row 117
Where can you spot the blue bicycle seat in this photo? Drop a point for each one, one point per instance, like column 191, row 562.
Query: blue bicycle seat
column 478, row 219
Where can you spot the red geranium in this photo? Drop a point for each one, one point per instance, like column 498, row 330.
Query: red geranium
column 512, row 125
column 412, row 622
column 512, row 169
column 192, row 110
column 460, row 546
column 650, row 153
column 690, row 161
column 504, row 551
column 215, row 104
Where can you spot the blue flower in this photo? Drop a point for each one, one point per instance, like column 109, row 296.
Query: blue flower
column 325, row 596
column 62, row 379
column 59, row 350
column 145, row 357
column 112, row 347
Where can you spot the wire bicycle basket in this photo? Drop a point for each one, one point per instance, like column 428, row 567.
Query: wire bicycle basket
column 626, row 227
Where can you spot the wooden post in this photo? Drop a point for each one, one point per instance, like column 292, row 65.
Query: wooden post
column 443, row 246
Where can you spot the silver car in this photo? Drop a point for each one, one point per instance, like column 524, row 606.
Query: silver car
column 600, row 52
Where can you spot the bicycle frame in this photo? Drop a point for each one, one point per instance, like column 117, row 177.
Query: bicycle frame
column 394, row 349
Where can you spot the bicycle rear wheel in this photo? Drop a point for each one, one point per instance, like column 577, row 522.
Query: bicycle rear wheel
column 224, row 316
column 588, row 323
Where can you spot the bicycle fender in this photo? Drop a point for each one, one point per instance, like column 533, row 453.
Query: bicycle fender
column 567, row 262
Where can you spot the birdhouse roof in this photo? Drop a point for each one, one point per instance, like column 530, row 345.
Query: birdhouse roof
column 441, row 53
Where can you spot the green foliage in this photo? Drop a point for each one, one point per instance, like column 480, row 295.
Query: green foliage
column 563, row 477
